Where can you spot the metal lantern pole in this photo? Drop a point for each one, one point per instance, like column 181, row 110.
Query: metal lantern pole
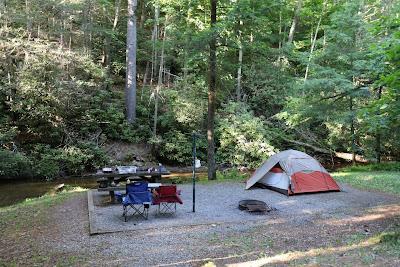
column 194, row 170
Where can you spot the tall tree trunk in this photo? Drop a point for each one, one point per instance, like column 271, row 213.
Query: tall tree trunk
column 3, row 13
column 187, row 40
column 116, row 15
column 87, row 27
column 378, row 134
column 142, row 14
column 160, row 80
column 28, row 19
column 211, row 94
column 314, row 40
column 148, row 67
column 131, row 41
column 154, row 39
column 295, row 21
column 146, row 74
column 239, row 72
column 70, row 37
column 280, row 30
column 62, row 32
column 107, row 47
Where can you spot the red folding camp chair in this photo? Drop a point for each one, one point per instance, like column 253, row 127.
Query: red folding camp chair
column 166, row 197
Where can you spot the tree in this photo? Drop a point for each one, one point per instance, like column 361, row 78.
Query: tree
column 295, row 21
column 131, row 43
column 211, row 94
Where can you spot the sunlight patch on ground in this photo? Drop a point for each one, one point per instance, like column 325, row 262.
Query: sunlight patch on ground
column 207, row 260
column 374, row 214
column 296, row 255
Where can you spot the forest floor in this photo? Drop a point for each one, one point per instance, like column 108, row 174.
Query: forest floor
column 53, row 230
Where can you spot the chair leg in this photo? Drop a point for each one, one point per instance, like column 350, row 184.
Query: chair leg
column 124, row 213
column 139, row 209
column 167, row 207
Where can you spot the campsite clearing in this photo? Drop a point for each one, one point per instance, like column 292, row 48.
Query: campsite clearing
column 347, row 235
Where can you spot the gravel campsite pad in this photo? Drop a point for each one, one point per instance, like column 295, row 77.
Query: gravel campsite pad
column 217, row 203
column 324, row 229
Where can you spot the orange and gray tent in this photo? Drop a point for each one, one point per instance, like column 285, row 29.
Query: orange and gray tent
column 293, row 172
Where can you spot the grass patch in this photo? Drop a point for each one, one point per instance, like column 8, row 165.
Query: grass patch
column 390, row 242
column 19, row 224
column 33, row 210
column 381, row 249
column 387, row 166
column 388, row 182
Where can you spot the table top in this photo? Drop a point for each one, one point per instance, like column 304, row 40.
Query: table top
column 123, row 187
column 139, row 173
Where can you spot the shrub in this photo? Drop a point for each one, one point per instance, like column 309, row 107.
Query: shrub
column 177, row 147
column 50, row 162
column 14, row 164
column 242, row 137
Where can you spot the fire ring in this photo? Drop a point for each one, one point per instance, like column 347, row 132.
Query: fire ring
column 253, row 205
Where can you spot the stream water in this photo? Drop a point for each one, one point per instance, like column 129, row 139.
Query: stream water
column 12, row 191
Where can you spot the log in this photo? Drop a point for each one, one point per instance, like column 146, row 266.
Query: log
column 316, row 149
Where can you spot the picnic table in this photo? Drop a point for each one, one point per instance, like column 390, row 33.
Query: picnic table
column 110, row 181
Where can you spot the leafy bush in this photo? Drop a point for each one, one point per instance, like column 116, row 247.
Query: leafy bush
column 242, row 137
column 14, row 164
column 177, row 147
column 387, row 166
column 50, row 162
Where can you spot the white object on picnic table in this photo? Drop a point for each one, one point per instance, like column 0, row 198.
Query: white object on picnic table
column 126, row 169
column 107, row 169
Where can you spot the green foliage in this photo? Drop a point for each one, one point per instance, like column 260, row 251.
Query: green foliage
column 14, row 164
column 389, row 166
column 244, row 140
column 391, row 239
column 231, row 174
column 177, row 147
column 63, row 69
column 50, row 162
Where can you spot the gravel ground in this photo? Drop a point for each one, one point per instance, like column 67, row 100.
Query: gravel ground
column 218, row 203
column 300, row 223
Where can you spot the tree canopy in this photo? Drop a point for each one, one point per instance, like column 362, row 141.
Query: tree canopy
column 315, row 75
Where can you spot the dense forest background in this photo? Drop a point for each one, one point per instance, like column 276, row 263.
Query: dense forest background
column 322, row 76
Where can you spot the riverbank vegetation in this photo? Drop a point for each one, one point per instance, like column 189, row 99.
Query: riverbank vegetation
column 314, row 75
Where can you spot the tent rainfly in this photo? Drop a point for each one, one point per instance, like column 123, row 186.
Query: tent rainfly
column 293, row 172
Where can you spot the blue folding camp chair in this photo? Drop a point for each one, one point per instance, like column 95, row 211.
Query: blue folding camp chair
column 137, row 199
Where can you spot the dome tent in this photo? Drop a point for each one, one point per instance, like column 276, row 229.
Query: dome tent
column 293, row 172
